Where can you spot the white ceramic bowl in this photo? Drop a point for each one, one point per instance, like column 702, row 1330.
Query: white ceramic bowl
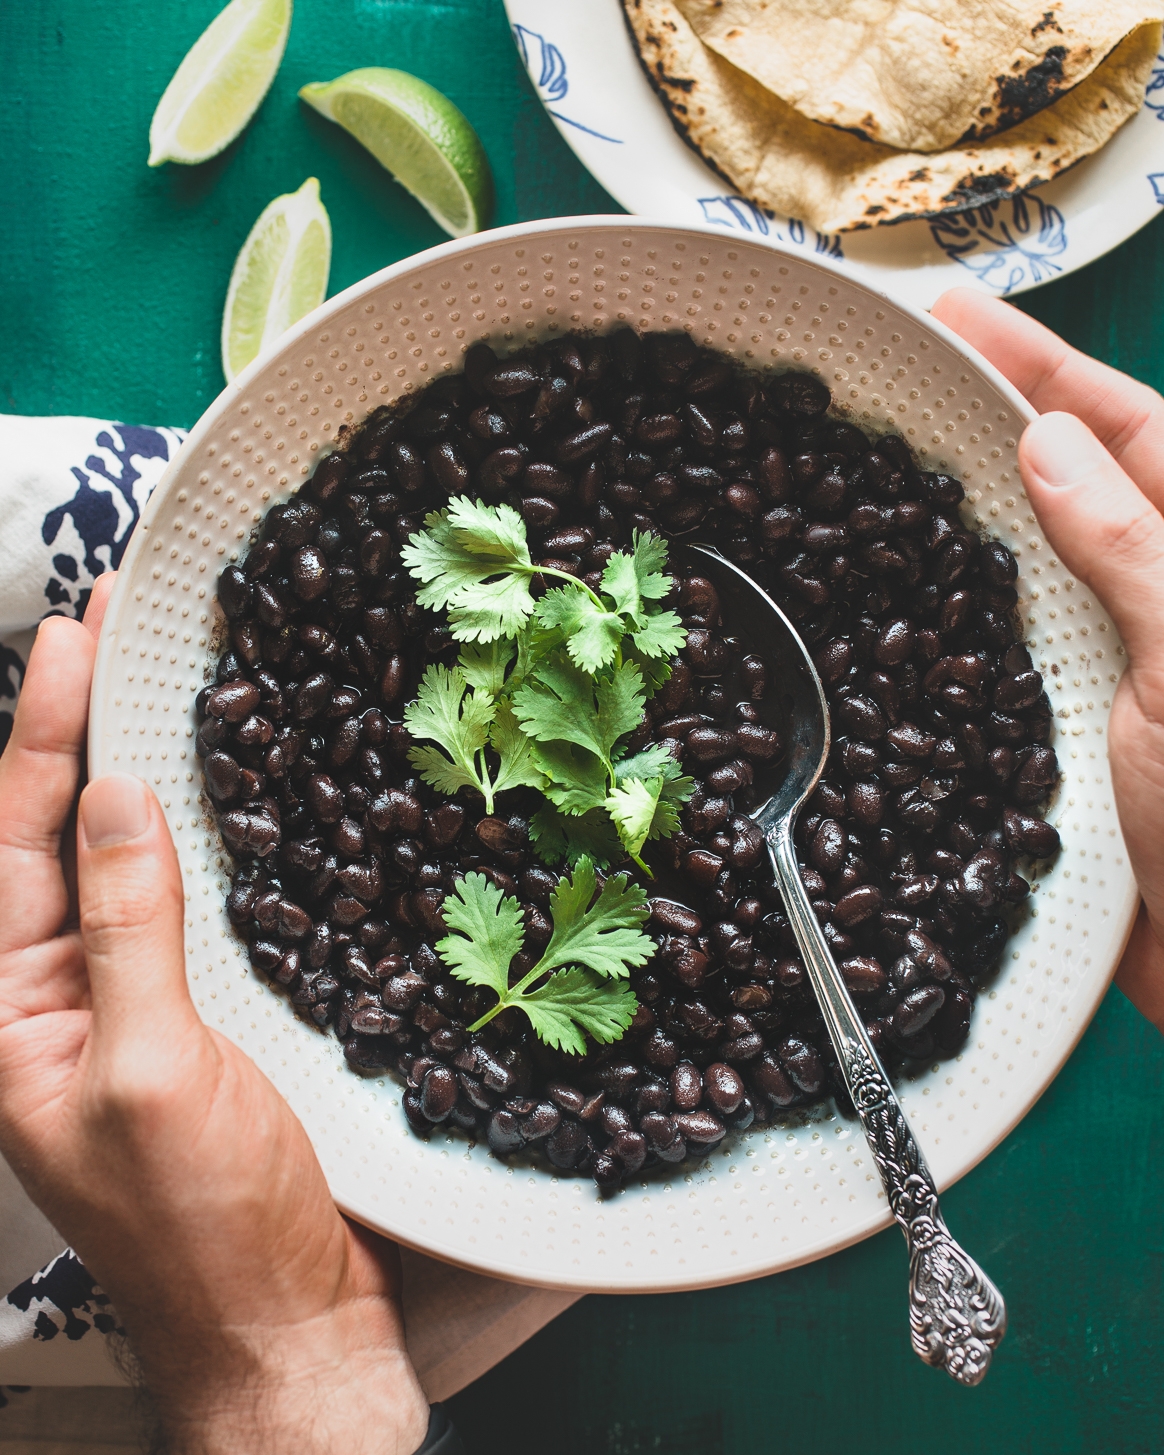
column 765, row 1200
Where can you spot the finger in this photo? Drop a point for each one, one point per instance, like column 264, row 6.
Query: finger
column 1126, row 416
column 1102, row 527
column 39, row 773
column 98, row 601
column 131, row 906
column 1141, row 971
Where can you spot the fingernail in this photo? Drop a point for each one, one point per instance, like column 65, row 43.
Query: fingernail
column 114, row 810
column 1062, row 451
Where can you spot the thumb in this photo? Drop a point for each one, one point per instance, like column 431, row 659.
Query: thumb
column 1101, row 526
column 130, row 896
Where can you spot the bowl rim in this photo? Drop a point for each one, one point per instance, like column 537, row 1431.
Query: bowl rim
column 1123, row 916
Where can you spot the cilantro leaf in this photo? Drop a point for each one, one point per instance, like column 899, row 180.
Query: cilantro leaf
column 592, row 633
column 621, row 583
column 568, row 837
column 492, row 532
column 662, row 634
column 604, row 936
column 484, row 664
column 638, row 577
column 441, row 711
column 578, row 998
column 645, row 809
column 561, row 703
column 620, row 697
column 655, row 670
column 491, row 926
column 517, row 767
column 632, row 807
column 473, row 559
column 653, row 762
column 557, row 703
column 577, row 778
column 439, row 773
column 488, row 931
column 651, row 565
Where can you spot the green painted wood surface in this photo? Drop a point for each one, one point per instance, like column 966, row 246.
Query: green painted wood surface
column 110, row 296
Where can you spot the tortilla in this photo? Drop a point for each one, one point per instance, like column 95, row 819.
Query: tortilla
column 920, row 75
column 788, row 164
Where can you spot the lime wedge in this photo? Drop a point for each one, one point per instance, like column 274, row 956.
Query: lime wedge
column 280, row 275
column 217, row 88
column 419, row 135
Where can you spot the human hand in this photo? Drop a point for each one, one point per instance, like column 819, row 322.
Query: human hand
column 1093, row 468
column 263, row 1321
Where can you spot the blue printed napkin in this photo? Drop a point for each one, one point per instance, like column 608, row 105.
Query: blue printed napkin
column 71, row 492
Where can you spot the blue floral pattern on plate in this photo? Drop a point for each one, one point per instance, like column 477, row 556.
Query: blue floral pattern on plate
column 731, row 210
column 1155, row 87
column 1007, row 245
column 547, row 70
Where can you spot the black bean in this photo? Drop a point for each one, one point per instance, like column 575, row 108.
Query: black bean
column 907, row 740
column 827, row 850
column 222, row 777
column 701, row 1127
column 234, row 701
column 861, row 717
column 760, row 743
column 729, row 777
column 686, row 1086
column 859, row 905
column 723, row 1088
column 710, row 744
column 772, row 1081
column 674, row 918
column 863, row 975
column 566, row 1145
column 894, row 642
column 584, row 443
column 438, row 1093
column 502, row 466
column 997, row 564
column 801, row 1060
column 916, row 1009
column 234, row 593
column 508, row 378
column 1015, row 693
column 396, row 812
column 1028, row 835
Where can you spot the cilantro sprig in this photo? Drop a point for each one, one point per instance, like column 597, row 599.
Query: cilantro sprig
column 547, row 692
column 577, row 987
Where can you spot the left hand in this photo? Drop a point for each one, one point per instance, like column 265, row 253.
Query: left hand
column 262, row 1319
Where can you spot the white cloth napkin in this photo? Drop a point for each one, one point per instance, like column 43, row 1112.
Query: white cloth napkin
column 71, row 492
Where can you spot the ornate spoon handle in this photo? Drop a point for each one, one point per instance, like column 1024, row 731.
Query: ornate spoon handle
column 956, row 1315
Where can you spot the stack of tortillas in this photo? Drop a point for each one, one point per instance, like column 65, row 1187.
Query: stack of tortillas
column 850, row 113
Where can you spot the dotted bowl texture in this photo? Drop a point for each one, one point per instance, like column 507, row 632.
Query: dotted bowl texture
column 764, row 1200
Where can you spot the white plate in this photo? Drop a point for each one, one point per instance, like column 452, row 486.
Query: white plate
column 765, row 1200
column 583, row 64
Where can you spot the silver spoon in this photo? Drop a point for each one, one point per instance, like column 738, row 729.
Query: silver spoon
column 956, row 1315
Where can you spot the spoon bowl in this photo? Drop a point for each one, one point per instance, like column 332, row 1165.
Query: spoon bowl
column 799, row 700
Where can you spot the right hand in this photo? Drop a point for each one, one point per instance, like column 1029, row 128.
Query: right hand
column 1093, row 468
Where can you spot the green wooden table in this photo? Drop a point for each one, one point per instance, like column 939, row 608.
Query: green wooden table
column 110, row 300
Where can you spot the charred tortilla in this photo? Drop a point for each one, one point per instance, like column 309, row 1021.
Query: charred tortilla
column 836, row 180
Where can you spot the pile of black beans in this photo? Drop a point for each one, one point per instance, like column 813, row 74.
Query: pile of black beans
column 909, row 845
